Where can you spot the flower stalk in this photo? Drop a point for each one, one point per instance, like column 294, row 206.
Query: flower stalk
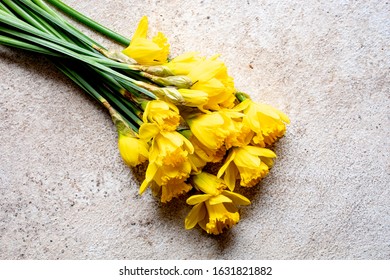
column 90, row 23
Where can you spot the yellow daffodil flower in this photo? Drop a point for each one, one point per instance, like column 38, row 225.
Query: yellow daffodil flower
column 240, row 133
column 215, row 209
column 133, row 150
column 210, row 129
column 268, row 123
column 249, row 163
column 211, row 77
column 222, row 128
column 202, row 155
column 208, row 75
column 170, row 148
column 219, row 217
column 164, row 114
column 168, row 181
column 169, row 165
column 184, row 63
column 194, row 98
column 205, row 153
column 146, row 51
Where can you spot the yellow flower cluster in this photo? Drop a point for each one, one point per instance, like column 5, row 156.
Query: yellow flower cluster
column 182, row 117
column 198, row 119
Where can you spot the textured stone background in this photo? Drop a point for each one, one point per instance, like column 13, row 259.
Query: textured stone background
column 65, row 193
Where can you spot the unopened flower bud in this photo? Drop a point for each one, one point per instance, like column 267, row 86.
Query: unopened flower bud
column 176, row 81
column 187, row 97
column 170, row 94
column 157, row 70
column 116, row 55
column 194, row 98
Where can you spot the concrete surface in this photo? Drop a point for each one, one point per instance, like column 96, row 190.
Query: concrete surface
column 65, row 193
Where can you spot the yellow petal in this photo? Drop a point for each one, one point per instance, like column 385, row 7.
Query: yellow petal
column 260, row 151
column 267, row 110
column 283, row 116
column 142, row 29
column 206, row 70
column 244, row 158
column 242, row 106
column 231, row 176
column 133, row 150
column 197, row 213
column 228, row 160
column 146, row 51
column 273, row 112
column 237, row 199
column 208, row 183
column 150, row 172
column 173, row 189
column 187, row 145
column 209, row 129
column 198, row 198
column 148, row 130
column 219, row 199
column 267, row 161
column 194, row 98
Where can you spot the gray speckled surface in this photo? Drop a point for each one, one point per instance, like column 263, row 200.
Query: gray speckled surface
column 65, row 193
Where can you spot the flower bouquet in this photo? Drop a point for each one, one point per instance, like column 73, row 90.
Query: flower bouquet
column 180, row 116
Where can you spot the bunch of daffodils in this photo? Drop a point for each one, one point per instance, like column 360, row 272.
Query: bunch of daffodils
column 179, row 116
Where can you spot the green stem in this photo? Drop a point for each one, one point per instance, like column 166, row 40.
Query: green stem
column 5, row 9
column 241, row 96
column 71, row 74
column 4, row 40
column 116, row 87
column 46, row 8
column 54, row 20
column 23, row 14
column 119, row 104
column 24, row 27
column 80, row 35
column 87, row 87
column 121, row 78
column 38, row 22
column 90, row 23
